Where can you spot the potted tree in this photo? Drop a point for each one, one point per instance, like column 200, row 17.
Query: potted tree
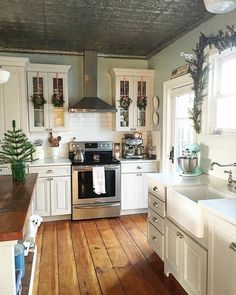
column 16, row 150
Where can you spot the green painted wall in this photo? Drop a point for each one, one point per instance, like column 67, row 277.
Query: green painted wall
column 213, row 148
column 169, row 58
column 76, row 71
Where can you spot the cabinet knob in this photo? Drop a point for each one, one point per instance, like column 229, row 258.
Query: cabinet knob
column 232, row 246
column 179, row 235
column 155, row 204
column 139, row 167
column 155, row 188
column 49, row 171
column 155, row 219
column 154, row 238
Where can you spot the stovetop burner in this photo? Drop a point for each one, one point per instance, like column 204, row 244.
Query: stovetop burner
column 95, row 153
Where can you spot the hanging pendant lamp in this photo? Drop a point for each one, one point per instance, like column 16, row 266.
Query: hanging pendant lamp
column 4, row 75
column 220, row 6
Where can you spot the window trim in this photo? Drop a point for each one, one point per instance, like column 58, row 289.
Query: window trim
column 209, row 108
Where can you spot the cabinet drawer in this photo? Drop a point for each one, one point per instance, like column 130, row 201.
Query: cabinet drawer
column 156, row 240
column 139, row 167
column 156, row 220
column 45, row 171
column 156, row 204
column 157, row 189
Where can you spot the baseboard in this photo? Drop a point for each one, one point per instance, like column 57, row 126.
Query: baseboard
column 133, row 211
column 58, row 217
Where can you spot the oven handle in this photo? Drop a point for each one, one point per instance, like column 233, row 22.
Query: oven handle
column 97, row 205
column 89, row 168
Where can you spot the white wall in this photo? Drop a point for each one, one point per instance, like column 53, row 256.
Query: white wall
column 213, row 148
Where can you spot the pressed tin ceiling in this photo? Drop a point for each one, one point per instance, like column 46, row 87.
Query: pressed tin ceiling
column 111, row 27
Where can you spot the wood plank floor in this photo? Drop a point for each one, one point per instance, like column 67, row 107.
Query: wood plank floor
column 103, row 256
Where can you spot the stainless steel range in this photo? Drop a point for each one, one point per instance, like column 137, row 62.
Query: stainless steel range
column 87, row 204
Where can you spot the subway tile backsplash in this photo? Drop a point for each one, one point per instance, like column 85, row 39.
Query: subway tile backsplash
column 84, row 127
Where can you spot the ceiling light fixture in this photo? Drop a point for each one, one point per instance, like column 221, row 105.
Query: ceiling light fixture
column 220, row 6
column 4, row 75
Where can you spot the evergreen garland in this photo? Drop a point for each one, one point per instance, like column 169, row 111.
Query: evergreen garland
column 16, row 147
column 199, row 69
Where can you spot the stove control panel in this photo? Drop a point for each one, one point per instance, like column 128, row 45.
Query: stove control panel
column 90, row 146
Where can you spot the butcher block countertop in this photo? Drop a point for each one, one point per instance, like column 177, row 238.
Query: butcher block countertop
column 15, row 200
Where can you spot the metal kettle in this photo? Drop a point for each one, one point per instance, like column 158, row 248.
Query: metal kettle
column 79, row 156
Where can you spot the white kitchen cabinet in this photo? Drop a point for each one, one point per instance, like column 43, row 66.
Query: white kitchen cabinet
column 53, row 190
column 42, row 196
column 13, row 95
column 156, row 214
column 44, row 81
column 134, row 186
column 185, row 259
column 221, row 257
column 135, row 85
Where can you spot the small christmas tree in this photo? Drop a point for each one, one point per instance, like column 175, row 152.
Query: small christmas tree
column 16, row 150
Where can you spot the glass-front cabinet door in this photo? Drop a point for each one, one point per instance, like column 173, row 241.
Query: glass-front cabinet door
column 58, row 101
column 133, row 91
column 48, row 97
column 142, row 102
column 124, row 120
column 38, row 101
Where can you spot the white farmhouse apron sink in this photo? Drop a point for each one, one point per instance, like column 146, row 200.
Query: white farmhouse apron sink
column 183, row 207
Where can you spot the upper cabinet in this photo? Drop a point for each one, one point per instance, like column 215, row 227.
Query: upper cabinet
column 48, row 97
column 13, row 95
column 133, row 91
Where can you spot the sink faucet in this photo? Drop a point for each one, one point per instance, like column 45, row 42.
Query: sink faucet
column 220, row 165
column 230, row 178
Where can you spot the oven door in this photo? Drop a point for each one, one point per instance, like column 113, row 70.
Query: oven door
column 82, row 185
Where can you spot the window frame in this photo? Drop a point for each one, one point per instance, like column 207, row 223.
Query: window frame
column 210, row 118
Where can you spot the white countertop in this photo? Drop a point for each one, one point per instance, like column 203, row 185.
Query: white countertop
column 172, row 179
column 48, row 162
column 122, row 160
column 225, row 208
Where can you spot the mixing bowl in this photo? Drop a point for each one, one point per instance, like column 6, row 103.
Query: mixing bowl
column 187, row 165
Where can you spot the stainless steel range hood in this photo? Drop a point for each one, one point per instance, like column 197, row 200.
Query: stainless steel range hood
column 91, row 103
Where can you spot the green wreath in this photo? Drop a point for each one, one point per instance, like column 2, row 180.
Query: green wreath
column 142, row 102
column 125, row 102
column 57, row 99
column 38, row 100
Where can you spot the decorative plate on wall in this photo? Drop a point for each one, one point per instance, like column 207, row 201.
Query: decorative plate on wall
column 156, row 102
column 155, row 118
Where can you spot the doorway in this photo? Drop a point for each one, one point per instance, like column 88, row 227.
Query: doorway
column 177, row 127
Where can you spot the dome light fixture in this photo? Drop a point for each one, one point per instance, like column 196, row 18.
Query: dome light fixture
column 4, row 75
column 220, row 6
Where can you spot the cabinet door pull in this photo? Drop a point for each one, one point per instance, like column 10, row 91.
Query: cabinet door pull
column 49, row 178
column 179, row 235
column 232, row 246
column 155, row 204
column 155, row 188
column 154, row 238
column 155, row 219
column 139, row 167
column 49, row 171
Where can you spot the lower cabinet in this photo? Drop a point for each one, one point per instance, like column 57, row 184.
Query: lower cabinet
column 52, row 193
column 185, row 259
column 134, row 191
column 221, row 257
column 134, row 184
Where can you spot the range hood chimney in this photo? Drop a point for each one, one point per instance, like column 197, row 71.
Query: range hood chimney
column 90, row 102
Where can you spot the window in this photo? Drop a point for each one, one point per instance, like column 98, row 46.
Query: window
column 222, row 94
